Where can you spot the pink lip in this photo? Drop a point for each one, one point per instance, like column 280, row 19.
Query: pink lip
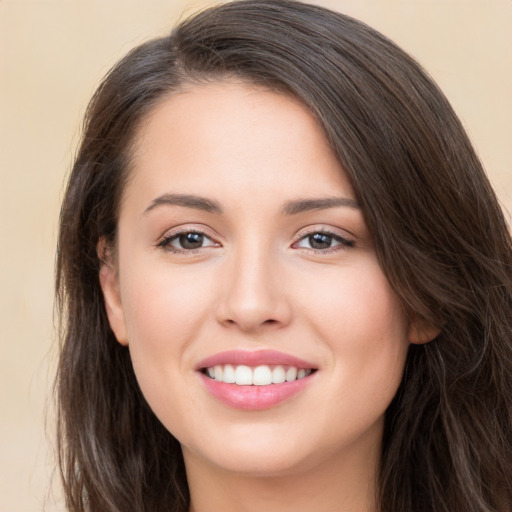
column 254, row 397
column 253, row 358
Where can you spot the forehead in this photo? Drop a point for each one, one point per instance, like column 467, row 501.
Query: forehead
column 235, row 136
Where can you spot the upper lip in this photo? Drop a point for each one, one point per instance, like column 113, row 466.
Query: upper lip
column 254, row 358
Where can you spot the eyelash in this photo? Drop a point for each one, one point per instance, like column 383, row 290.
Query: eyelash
column 166, row 242
column 344, row 242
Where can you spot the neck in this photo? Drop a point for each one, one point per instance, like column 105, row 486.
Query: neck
column 344, row 482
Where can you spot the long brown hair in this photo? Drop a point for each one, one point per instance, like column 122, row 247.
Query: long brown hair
column 437, row 227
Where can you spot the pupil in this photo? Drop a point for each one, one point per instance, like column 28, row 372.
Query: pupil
column 191, row 240
column 320, row 241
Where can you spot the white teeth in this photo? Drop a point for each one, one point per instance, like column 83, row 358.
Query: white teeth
column 278, row 375
column 262, row 375
column 243, row 375
column 291, row 374
column 229, row 374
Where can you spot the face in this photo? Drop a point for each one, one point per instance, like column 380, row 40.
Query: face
column 262, row 330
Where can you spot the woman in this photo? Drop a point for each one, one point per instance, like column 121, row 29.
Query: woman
column 284, row 279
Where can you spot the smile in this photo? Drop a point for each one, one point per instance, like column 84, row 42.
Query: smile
column 263, row 375
column 255, row 380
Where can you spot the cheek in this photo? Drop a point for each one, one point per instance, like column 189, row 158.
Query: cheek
column 361, row 318
column 362, row 322
column 162, row 304
column 164, row 309
column 356, row 300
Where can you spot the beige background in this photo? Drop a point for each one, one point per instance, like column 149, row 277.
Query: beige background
column 52, row 55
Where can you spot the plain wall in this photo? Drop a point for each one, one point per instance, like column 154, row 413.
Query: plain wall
column 52, row 56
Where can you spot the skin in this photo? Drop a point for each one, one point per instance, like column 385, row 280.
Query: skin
column 255, row 283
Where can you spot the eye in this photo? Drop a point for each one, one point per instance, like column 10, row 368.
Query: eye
column 323, row 241
column 187, row 241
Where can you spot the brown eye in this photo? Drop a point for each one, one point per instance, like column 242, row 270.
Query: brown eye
column 191, row 240
column 323, row 241
column 320, row 241
column 187, row 241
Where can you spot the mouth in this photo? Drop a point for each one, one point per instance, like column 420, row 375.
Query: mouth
column 261, row 375
column 255, row 380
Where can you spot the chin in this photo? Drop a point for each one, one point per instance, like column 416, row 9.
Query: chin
column 255, row 451
column 261, row 464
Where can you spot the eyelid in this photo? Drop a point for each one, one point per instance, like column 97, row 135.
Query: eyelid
column 322, row 228
column 346, row 240
column 183, row 229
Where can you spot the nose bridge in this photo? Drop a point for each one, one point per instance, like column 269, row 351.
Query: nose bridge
column 253, row 295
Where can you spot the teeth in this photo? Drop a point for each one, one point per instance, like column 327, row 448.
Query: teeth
column 291, row 374
column 229, row 374
column 278, row 375
column 243, row 375
column 262, row 375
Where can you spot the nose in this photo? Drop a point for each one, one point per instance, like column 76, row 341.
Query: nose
column 253, row 296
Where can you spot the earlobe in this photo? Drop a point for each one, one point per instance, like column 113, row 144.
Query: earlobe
column 422, row 331
column 109, row 282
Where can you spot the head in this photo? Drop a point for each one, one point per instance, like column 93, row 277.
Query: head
column 435, row 226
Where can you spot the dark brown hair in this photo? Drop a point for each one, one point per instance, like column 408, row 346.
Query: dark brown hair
column 437, row 227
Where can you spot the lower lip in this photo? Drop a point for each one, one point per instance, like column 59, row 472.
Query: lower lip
column 254, row 398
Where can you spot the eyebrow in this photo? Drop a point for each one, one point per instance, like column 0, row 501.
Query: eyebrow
column 304, row 205
column 187, row 200
column 290, row 208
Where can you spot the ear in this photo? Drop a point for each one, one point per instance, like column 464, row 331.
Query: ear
column 109, row 282
column 422, row 331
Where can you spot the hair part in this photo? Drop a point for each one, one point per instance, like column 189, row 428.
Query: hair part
column 437, row 227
